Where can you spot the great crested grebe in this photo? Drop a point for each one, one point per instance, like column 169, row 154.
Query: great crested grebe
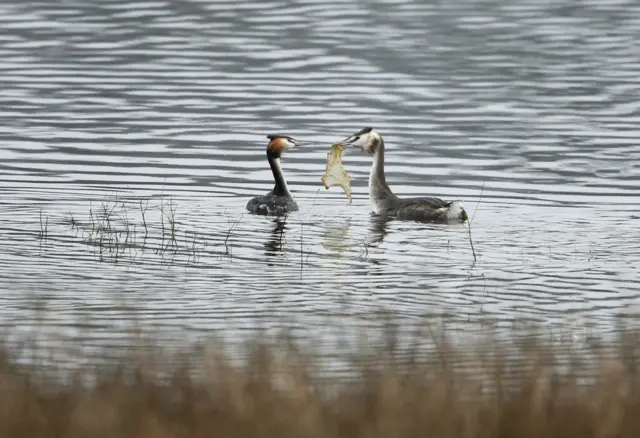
column 278, row 201
column 385, row 203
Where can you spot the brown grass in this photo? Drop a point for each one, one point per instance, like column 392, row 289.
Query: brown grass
column 524, row 389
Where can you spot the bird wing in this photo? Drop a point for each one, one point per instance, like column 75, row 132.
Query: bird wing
column 420, row 209
column 426, row 202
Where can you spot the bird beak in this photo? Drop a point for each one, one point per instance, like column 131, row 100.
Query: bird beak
column 306, row 142
column 349, row 140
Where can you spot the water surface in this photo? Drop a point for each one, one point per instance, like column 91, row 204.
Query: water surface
column 526, row 111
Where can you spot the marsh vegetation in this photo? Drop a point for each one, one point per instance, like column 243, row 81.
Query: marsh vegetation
column 528, row 387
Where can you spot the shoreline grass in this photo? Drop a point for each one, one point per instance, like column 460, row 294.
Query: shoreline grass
column 487, row 391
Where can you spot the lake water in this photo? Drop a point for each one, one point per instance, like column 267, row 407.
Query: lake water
column 527, row 111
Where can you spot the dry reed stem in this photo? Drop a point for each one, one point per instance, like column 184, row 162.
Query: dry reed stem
column 112, row 231
column 473, row 250
column 277, row 393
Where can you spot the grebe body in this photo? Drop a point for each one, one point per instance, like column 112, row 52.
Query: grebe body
column 385, row 203
column 278, row 201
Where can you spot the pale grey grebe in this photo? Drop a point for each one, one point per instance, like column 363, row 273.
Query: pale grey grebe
column 385, row 203
column 278, row 201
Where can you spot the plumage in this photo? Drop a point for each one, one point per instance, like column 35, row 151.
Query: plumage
column 277, row 145
column 272, row 204
column 423, row 209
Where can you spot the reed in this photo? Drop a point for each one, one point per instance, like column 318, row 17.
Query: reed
column 113, row 230
column 280, row 391
column 469, row 221
column 227, row 244
column 44, row 227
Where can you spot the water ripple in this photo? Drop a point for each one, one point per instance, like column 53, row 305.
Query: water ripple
column 532, row 104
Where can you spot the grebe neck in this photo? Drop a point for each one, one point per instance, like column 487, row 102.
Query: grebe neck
column 378, row 187
column 281, row 188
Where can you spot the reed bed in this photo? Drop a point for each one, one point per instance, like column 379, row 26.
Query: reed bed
column 493, row 389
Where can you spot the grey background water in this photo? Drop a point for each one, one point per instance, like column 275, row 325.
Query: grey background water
column 532, row 104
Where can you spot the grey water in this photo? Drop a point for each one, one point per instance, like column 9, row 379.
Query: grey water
column 156, row 112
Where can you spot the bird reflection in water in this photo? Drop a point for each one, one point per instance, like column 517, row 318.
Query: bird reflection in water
column 273, row 245
column 378, row 228
column 334, row 238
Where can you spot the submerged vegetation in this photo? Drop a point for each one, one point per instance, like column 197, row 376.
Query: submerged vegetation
column 121, row 228
column 526, row 388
